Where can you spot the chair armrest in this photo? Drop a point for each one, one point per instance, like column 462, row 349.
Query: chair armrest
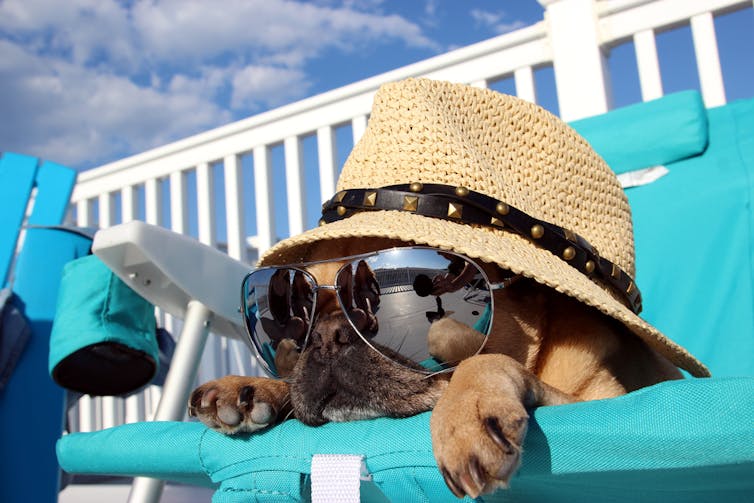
column 686, row 440
column 170, row 269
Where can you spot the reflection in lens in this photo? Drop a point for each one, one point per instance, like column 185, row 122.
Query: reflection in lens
column 426, row 294
column 278, row 304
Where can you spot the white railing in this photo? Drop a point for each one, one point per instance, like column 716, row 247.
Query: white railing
column 180, row 178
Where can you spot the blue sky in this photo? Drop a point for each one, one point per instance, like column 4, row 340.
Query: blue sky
column 85, row 82
column 89, row 81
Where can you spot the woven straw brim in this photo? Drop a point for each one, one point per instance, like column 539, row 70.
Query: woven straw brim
column 508, row 250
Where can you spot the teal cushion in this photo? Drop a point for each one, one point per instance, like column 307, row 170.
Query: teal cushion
column 689, row 440
column 694, row 232
column 648, row 134
column 103, row 338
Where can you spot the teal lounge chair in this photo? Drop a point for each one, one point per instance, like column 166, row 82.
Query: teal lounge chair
column 31, row 405
column 690, row 440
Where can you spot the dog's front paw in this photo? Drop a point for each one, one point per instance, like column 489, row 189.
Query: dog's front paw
column 236, row 404
column 478, row 450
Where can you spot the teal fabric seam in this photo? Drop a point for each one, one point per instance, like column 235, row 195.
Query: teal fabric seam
column 104, row 315
column 418, row 485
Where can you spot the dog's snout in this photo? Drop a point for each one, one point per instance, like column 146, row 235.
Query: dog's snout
column 331, row 333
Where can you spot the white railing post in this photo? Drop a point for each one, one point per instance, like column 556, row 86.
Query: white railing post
column 127, row 204
column 178, row 202
column 294, row 174
column 580, row 69
column 213, row 360
column 83, row 213
column 205, row 198
column 153, row 199
column 106, row 210
column 263, row 194
column 327, row 163
column 708, row 60
column 358, row 126
column 525, row 87
column 112, row 407
column 234, row 220
column 648, row 65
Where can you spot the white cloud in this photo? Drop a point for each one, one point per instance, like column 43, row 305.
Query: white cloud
column 496, row 21
column 269, row 85
column 86, row 80
column 81, row 116
column 190, row 29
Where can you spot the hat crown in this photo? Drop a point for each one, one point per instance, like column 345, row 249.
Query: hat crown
column 509, row 149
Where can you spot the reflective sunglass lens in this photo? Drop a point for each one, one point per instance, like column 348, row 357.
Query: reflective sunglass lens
column 423, row 306
column 278, row 306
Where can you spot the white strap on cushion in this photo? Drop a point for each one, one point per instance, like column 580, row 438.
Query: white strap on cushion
column 336, row 478
column 642, row 176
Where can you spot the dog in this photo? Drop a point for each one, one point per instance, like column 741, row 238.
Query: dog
column 544, row 349
column 491, row 183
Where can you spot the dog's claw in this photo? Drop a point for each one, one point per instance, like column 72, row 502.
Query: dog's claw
column 246, row 397
column 478, row 475
column 452, row 484
column 492, row 426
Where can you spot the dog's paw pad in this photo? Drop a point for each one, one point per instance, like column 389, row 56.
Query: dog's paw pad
column 235, row 404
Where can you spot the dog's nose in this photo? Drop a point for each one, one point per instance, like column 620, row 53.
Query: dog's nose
column 331, row 333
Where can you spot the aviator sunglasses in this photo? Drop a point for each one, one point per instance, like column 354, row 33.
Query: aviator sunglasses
column 391, row 298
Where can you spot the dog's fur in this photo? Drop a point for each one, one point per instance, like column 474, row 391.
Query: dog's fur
column 544, row 349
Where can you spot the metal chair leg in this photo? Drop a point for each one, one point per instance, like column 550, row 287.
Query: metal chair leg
column 178, row 382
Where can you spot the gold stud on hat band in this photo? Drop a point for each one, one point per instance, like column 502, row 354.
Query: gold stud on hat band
column 469, row 207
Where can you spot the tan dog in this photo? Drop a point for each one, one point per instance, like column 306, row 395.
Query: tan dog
column 544, row 349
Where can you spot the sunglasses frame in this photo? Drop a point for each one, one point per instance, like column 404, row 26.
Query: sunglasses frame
column 349, row 260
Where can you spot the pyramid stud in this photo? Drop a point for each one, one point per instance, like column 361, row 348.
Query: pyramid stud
column 339, row 196
column 569, row 235
column 496, row 222
column 370, row 198
column 410, row 203
column 455, row 210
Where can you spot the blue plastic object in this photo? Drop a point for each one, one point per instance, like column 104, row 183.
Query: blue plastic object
column 31, row 405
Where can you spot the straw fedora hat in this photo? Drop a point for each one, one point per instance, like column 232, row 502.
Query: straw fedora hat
column 497, row 179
